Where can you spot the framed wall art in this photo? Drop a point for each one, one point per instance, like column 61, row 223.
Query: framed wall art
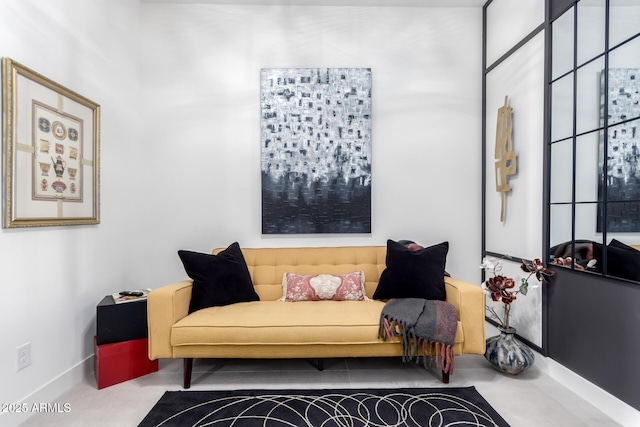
column 316, row 150
column 623, row 151
column 50, row 152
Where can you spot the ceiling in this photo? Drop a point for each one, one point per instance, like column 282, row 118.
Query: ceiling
column 385, row 3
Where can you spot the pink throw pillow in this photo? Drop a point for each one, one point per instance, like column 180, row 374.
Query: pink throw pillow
column 316, row 287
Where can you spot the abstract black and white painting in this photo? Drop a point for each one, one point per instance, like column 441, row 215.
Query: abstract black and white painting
column 315, row 132
column 623, row 151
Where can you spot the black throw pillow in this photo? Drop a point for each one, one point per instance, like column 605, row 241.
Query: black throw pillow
column 618, row 244
column 413, row 246
column 218, row 280
column 622, row 261
column 413, row 274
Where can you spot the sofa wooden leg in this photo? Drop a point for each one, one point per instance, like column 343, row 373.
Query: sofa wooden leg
column 445, row 377
column 320, row 364
column 188, row 367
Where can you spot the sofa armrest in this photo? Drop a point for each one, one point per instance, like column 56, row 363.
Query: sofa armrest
column 469, row 302
column 166, row 306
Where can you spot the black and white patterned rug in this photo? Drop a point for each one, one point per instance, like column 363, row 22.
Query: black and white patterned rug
column 411, row 407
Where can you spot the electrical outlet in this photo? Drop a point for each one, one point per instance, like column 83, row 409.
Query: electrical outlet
column 24, row 356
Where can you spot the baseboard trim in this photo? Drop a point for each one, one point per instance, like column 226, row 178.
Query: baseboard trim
column 51, row 391
column 614, row 408
column 610, row 405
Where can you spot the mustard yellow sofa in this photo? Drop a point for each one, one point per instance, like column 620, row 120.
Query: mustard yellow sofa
column 306, row 329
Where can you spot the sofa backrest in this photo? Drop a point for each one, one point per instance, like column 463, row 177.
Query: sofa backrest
column 268, row 265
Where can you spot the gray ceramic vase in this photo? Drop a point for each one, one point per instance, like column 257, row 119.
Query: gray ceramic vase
column 507, row 354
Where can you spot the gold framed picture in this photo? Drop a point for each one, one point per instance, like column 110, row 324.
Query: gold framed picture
column 50, row 152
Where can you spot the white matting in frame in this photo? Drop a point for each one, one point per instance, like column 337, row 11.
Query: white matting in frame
column 50, row 152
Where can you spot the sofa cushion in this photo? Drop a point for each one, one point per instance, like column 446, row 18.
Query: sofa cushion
column 413, row 273
column 276, row 323
column 218, row 280
column 317, row 287
column 268, row 265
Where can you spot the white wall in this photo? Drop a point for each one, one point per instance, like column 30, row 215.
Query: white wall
column 180, row 146
column 201, row 110
column 509, row 22
column 520, row 77
column 52, row 278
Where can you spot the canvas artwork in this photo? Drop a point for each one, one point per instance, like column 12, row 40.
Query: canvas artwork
column 316, row 150
column 623, row 164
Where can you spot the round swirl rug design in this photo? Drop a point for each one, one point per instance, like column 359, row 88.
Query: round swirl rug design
column 413, row 407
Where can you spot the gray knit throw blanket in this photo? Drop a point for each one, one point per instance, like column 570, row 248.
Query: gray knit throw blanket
column 427, row 328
